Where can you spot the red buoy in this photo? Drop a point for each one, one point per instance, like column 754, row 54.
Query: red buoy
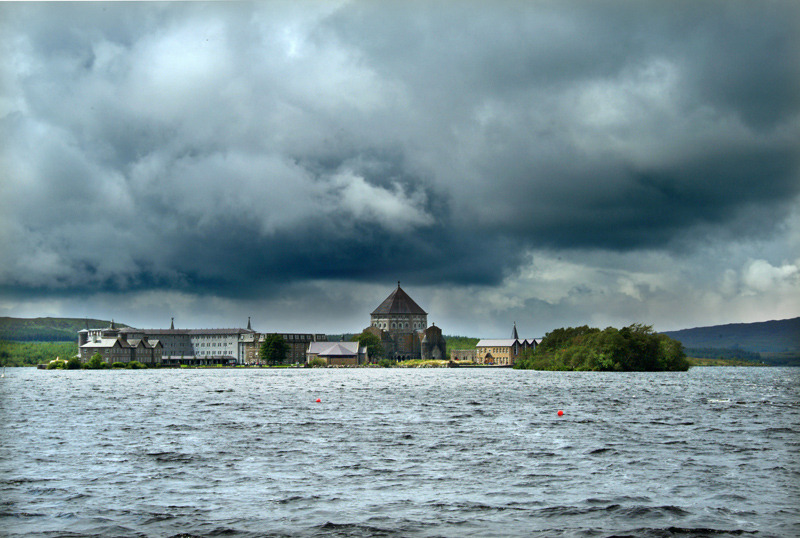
column 318, row 400
column 560, row 412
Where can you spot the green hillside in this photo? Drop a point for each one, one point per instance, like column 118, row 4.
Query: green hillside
column 33, row 353
column 46, row 329
column 460, row 342
column 782, row 336
column 776, row 342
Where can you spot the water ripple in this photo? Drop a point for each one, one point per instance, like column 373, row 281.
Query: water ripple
column 426, row 453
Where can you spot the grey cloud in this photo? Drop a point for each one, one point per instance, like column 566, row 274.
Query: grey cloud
column 230, row 148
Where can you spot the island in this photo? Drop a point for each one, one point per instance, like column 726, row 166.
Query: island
column 633, row 348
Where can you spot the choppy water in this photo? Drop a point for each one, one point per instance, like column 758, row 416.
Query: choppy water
column 390, row 452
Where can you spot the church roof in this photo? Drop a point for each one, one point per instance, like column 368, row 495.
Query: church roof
column 398, row 302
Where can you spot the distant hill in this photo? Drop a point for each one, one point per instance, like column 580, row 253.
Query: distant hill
column 770, row 339
column 46, row 329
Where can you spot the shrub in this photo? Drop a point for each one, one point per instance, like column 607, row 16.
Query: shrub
column 96, row 362
column 136, row 365
column 118, row 365
column 74, row 363
column 57, row 364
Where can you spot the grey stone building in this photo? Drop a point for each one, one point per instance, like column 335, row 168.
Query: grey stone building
column 402, row 326
column 174, row 346
column 115, row 345
column 433, row 345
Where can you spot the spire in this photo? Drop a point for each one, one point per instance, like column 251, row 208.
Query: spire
column 112, row 324
column 514, row 333
column 87, row 324
column 172, row 324
column 398, row 284
column 248, row 324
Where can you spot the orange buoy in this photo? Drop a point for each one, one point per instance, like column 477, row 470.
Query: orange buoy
column 560, row 412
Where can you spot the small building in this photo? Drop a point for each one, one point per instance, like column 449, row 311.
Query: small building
column 338, row 353
column 503, row 352
column 498, row 352
column 433, row 345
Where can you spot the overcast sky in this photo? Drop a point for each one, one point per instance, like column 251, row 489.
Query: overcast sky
column 551, row 163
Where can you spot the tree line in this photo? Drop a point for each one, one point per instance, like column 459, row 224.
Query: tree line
column 33, row 353
column 633, row 348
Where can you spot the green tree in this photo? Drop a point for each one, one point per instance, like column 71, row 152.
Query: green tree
column 671, row 356
column 632, row 348
column 96, row 362
column 373, row 344
column 33, row 353
column 74, row 363
column 273, row 349
column 460, row 342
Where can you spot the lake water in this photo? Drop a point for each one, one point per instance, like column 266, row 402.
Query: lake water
column 397, row 452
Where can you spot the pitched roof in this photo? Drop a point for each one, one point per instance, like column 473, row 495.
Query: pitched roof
column 106, row 342
column 334, row 349
column 134, row 342
column 191, row 332
column 507, row 342
column 398, row 302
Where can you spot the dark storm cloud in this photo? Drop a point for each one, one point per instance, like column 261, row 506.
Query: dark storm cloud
column 234, row 148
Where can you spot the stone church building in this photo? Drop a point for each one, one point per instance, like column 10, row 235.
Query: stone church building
column 402, row 326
